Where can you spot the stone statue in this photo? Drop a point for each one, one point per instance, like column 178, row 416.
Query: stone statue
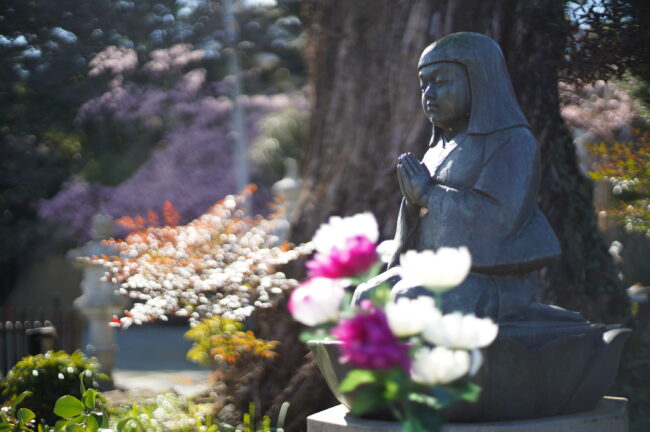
column 476, row 186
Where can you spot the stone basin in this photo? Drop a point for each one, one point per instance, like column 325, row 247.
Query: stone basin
column 532, row 370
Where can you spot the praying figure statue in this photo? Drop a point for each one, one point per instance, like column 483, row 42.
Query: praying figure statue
column 476, row 185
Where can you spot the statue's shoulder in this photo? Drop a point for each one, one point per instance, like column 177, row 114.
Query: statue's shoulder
column 518, row 139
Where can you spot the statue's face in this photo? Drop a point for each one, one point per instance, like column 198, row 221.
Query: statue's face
column 446, row 97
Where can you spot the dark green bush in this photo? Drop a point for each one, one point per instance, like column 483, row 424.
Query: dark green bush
column 48, row 377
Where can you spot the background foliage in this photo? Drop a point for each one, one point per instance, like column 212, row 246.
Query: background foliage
column 88, row 92
column 48, row 377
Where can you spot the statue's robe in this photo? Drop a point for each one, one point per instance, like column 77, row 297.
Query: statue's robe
column 483, row 197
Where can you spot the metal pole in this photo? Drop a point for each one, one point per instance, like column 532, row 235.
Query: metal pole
column 241, row 159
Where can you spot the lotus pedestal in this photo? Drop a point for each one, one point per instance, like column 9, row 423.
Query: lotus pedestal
column 608, row 416
column 532, row 370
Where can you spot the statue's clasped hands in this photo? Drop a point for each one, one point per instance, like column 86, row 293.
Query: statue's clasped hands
column 414, row 179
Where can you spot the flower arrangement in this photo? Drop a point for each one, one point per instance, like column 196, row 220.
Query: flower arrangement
column 406, row 354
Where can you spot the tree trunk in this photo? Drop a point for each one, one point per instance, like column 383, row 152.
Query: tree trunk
column 365, row 112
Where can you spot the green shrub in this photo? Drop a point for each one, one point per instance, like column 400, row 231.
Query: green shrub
column 14, row 419
column 48, row 377
column 167, row 412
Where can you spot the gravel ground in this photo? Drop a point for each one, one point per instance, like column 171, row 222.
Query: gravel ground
column 151, row 359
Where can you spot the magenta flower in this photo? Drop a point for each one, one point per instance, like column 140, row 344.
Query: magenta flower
column 357, row 256
column 367, row 342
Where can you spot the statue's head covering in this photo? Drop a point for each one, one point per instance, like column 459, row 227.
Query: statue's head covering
column 494, row 105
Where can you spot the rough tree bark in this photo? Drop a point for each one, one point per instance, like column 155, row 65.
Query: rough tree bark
column 365, row 112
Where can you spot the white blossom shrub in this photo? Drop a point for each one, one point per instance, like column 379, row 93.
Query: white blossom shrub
column 221, row 264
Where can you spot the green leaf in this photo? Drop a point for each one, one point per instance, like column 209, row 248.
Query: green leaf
column 19, row 399
column 391, row 390
column 104, row 420
column 122, row 424
column 91, row 424
column 347, row 311
column 126, row 422
column 468, row 391
column 367, row 399
column 77, row 419
column 24, row 415
column 380, row 295
column 444, row 395
column 68, row 406
column 357, row 377
column 60, row 425
column 315, row 334
column 424, row 399
column 82, row 387
column 89, row 399
column 421, row 418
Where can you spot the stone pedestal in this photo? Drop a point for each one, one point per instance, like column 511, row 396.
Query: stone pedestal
column 101, row 337
column 608, row 416
column 99, row 300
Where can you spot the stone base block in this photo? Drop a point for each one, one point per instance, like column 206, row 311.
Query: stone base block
column 608, row 416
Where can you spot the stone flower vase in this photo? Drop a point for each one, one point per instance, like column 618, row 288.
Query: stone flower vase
column 532, row 370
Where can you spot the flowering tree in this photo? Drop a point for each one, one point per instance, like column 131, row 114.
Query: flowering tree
column 188, row 124
column 597, row 112
column 626, row 165
column 606, row 122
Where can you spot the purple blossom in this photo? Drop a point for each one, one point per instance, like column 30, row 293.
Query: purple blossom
column 75, row 204
column 367, row 342
column 192, row 164
column 357, row 257
column 192, row 168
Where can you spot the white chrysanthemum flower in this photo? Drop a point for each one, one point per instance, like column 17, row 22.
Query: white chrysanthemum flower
column 439, row 365
column 407, row 317
column 459, row 331
column 386, row 250
column 317, row 301
column 438, row 271
column 337, row 230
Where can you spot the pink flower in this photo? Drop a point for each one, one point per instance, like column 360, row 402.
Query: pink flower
column 355, row 257
column 367, row 342
column 316, row 301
